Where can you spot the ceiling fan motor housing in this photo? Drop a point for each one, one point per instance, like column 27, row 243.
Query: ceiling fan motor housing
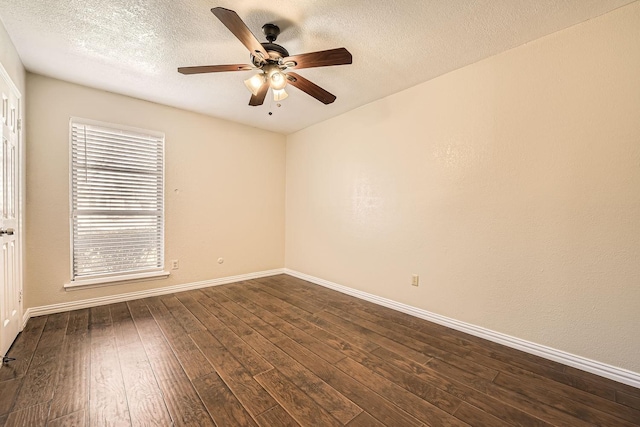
column 275, row 51
column 271, row 32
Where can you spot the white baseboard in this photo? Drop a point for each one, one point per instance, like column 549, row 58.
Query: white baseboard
column 608, row 371
column 111, row 299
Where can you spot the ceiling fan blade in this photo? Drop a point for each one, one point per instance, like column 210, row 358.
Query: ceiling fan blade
column 232, row 21
column 310, row 88
column 259, row 98
column 214, row 68
column 324, row 58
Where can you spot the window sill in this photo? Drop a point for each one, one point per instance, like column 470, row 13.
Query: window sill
column 113, row 280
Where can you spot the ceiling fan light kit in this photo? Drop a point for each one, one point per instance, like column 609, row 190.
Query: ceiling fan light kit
column 254, row 83
column 271, row 60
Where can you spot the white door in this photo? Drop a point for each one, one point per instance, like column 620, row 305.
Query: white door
column 10, row 271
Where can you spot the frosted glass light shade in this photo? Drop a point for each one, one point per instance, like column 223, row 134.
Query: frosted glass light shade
column 279, row 94
column 255, row 83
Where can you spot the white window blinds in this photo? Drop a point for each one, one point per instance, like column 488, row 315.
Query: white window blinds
column 117, row 198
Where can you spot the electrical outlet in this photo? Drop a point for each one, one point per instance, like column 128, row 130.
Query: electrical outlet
column 415, row 280
column 175, row 264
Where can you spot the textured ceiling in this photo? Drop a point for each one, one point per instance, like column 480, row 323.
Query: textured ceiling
column 134, row 47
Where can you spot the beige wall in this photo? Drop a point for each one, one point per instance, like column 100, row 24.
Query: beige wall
column 224, row 192
column 511, row 186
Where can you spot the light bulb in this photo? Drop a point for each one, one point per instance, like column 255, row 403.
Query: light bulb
column 278, row 81
column 255, row 83
column 276, row 78
column 279, row 94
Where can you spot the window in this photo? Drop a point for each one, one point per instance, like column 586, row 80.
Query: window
column 117, row 203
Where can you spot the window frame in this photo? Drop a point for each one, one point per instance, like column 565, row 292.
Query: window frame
column 113, row 278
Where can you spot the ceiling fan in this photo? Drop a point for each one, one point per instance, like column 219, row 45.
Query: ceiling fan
column 271, row 60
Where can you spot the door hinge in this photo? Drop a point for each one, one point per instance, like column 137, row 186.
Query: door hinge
column 19, row 124
column 20, row 297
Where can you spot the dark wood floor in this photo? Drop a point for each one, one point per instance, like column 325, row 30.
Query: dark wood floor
column 282, row 352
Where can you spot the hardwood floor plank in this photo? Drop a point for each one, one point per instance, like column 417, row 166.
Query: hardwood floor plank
column 335, row 298
column 588, row 399
column 453, row 354
column 181, row 399
column 190, row 357
column 184, row 317
column 535, row 369
column 100, row 323
column 107, row 396
column 78, row 324
column 483, row 346
column 337, row 405
column 502, row 366
column 124, row 329
column 337, row 301
column 276, row 417
column 274, row 316
column 477, row 418
column 300, row 319
column 604, row 382
column 412, row 404
column 525, row 375
column 379, row 407
column 380, row 340
column 537, row 409
column 302, row 304
column 145, row 399
column 388, row 316
column 255, row 399
column 208, row 311
column 40, row 379
column 580, row 382
column 75, row 419
column 222, row 404
column 504, row 404
column 552, row 398
column 30, row 416
column 407, row 335
column 436, row 345
column 628, row 400
column 458, row 374
column 438, row 397
column 146, row 404
column 72, row 390
column 272, row 323
column 364, row 420
column 23, row 349
column 8, row 393
column 296, row 402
